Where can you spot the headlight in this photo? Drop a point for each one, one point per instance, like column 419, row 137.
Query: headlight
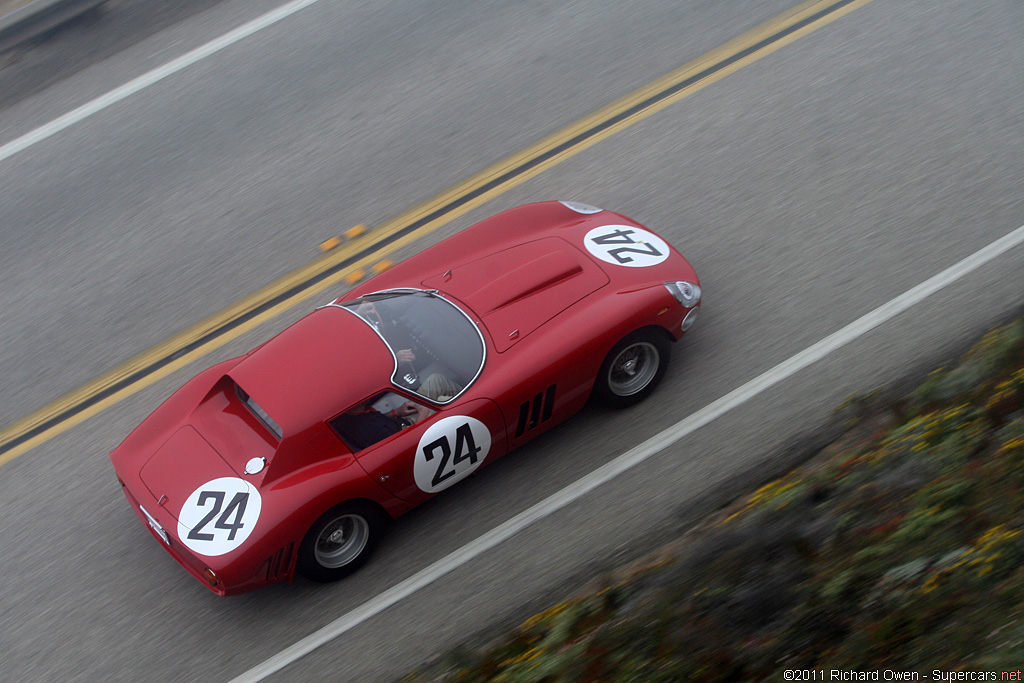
column 580, row 207
column 686, row 293
column 690, row 319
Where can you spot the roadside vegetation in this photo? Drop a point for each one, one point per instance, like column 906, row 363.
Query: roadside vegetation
column 900, row 546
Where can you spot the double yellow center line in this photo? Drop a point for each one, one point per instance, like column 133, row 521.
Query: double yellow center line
column 364, row 251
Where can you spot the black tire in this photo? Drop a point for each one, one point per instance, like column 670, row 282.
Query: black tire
column 633, row 368
column 356, row 529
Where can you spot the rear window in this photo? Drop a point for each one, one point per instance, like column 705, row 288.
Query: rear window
column 261, row 414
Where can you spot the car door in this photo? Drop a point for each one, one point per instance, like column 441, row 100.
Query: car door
column 437, row 453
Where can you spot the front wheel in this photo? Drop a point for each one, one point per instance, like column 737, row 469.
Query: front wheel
column 633, row 368
column 340, row 542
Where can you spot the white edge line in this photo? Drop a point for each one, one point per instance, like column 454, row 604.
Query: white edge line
column 150, row 77
column 632, row 457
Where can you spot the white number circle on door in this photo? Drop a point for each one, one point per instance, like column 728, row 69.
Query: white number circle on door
column 219, row 516
column 449, row 451
column 625, row 245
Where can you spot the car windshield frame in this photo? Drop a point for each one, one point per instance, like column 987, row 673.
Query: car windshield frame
column 439, row 331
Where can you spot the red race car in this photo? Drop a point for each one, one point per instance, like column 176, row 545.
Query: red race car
column 292, row 457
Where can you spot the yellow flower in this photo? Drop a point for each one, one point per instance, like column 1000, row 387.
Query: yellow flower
column 545, row 615
column 526, row 656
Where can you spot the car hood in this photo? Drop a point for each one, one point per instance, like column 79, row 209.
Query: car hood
column 185, row 462
column 516, row 290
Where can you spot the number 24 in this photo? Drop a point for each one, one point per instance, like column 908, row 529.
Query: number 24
column 623, row 237
column 465, row 449
column 237, row 505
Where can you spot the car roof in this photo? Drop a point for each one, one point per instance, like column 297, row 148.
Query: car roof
column 321, row 365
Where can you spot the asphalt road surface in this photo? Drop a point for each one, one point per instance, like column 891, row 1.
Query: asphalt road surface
column 807, row 188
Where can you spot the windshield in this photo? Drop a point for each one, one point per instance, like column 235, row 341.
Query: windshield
column 438, row 350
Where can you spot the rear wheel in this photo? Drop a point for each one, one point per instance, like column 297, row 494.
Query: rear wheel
column 633, row 368
column 340, row 542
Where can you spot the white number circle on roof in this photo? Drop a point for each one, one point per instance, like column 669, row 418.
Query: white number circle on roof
column 625, row 245
column 219, row 516
column 449, row 451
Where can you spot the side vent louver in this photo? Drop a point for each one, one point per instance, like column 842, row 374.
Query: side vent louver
column 277, row 564
column 532, row 413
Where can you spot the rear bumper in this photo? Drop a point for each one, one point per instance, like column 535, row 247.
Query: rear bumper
column 190, row 562
column 265, row 560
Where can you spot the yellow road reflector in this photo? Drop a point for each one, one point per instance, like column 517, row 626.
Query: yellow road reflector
column 355, row 276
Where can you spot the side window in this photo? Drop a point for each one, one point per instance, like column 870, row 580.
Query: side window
column 378, row 418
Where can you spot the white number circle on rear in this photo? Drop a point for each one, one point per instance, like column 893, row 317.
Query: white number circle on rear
column 625, row 245
column 219, row 516
column 449, row 451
